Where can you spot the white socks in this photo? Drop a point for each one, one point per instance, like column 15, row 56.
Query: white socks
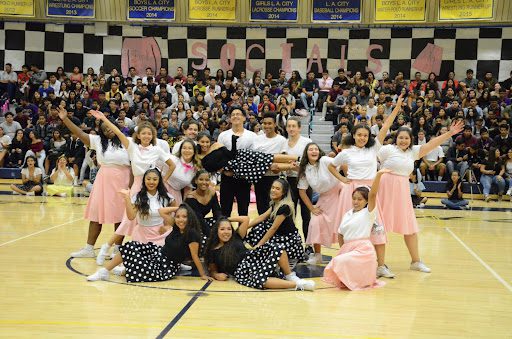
column 292, row 277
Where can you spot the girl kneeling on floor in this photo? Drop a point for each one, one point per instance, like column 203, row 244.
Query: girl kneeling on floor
column 355, row 265
column 150, row 262
column 227, row 255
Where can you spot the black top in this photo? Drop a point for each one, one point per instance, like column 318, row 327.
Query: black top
column 218, row 257
column 202, row 210
column 217, row 159
column 176, row 244
column 287, row 226
column 496, row 166
column 455, row 195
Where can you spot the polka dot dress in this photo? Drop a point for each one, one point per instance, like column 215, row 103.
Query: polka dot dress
column 291, row 242
column 258, row 265
column 146, row 263
column 250, row 165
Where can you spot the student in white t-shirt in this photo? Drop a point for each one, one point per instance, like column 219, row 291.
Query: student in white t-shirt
column 31, row 178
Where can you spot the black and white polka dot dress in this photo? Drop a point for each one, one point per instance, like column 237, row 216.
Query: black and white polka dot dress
column 258, row 265
column 146, row 263
column 287, row 235
column 250, row 165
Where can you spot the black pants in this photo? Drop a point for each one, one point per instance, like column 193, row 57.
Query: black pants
column 262, row 190
column 304, row 211
column 231, row 188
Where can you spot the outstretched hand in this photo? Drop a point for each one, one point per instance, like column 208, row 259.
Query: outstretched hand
column 457, row 127
column 97, row 114
column 63, row 113
column 400, row 100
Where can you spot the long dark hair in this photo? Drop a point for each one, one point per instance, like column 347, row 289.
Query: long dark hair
column 33, row 158
column 192, row 220
column 116, row 143
column 142, row 200
column 229, row 251
column 408, row 131
column 197, row 175
column 304, row 159
column 350, row 141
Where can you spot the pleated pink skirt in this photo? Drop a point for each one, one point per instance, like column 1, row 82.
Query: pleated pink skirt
column 127, row 226
column 378, row 234
column 147, row 234
column 395, row 202
column 176, row 194
column 323, row 228
column 105, row 204
column 354, row 267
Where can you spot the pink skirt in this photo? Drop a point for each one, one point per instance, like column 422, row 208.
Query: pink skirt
column 176, row 194
column 147, row 234
column 354, row 267
column 323, row 228
column 105, row 204
column 127, row 226
column 395, row 201
column 378, row 234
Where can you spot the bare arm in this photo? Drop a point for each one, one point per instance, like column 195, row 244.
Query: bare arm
column 172, row 167
column 243, row 224
column 63, row 115
column 212, row 268
column 304, row 196
column 194, row 252
column 389, row 121
column 372, row 196
column 335, row 173
column 272, row 230
column 131, row 211
column 455, row 128
column 260, row 218
column 340, row 239
column 99, row 115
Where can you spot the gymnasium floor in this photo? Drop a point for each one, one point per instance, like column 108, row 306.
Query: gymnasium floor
column 44, row 293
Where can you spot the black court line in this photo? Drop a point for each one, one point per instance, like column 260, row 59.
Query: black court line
column 184, row 310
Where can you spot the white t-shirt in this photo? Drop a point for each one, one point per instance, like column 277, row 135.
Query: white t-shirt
column 245, row 141
column 112, row 156
column 318, row 176
column 298, row 150
column 400, row 162
column 435, row 154
column 182, row 175
column 357, row 225
column 37, row 171
column 154, row 218
column 269, row 145
column 361, row 162
column 5, row 140
column 62, row 179
column 143, row 158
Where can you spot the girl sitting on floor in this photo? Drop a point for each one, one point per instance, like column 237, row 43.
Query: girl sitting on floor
column 227, row 255
column 62, row 178
column 355, row 265
column 31, row 178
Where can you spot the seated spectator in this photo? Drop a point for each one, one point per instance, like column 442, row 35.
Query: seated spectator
column 5, row 143
column 492, row 171
column 457, row 159
column 310, row 88
column 9, row 126
column 503, row 141
column 432, row 164
column 56, row 148
column 467, row 136
column 339, row 136
column 62, row 178
column 93, row 171
column 31, row 178
column 508, row 171
column 455, row 200
column 18, row 148
column 416, row 187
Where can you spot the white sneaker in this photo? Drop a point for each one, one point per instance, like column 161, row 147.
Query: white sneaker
column 119, row 270
column 31, row 193
column 100, row 259
column 101, row 274
column 421, row 205
column 292, row 277
column 321, row 119
column 184, row 267
column 84, row 253
column 420, row 266
column 384, row 271
column 509, row 192
column 305, row 285
column 15, row 193
column 314, row 259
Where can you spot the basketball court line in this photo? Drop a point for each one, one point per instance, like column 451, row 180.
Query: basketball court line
column 39, row 232
column 480, row 260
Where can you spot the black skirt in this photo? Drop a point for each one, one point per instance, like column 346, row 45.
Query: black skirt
column 259, row 265
column 250, row 165
column 291, row 242
column 146, row 263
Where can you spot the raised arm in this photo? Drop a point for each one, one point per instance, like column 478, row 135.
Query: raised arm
column 243, row 224
column 389, row 121
column 372, row 196
column 335, row 173
column 63, row 115
column 99, row 115
column 260, row 218
column 131, row 211
column 455, row 128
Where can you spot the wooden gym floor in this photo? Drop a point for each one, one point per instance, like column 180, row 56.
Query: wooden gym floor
column 44, row 293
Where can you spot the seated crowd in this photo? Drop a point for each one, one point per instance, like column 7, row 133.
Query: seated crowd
column 182, row 105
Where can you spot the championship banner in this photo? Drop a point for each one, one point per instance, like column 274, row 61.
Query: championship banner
column 336, row 11
column 17, row 8
column 466, row 10
column 275, row 10
column 70, row 8
column 400, row 10
column 151, row 10
column 212, row 10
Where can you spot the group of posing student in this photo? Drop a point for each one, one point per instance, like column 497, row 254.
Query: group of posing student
column 167, row 221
